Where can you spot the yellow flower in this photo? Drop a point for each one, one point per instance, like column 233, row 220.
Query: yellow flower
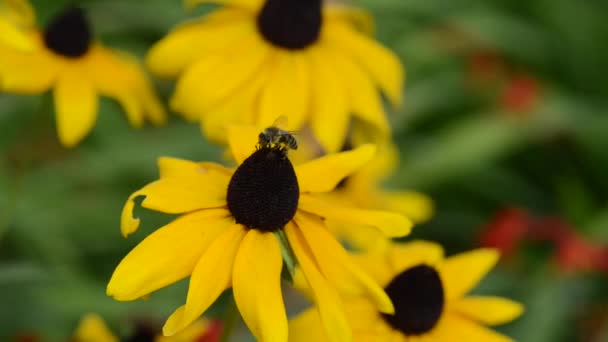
column 363, row 189
column 65, row 57
column 227, row 236
column 429, row 293
column 92, row 328
column 252, row 60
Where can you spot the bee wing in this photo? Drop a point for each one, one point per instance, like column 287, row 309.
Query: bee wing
column 281, row 122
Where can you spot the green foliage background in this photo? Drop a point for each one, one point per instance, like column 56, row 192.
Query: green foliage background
column 59, row 209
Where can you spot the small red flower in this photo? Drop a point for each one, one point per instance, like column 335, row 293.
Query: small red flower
column 521, row 93
column 572, row 252
column 506, row 230
column 213, row 333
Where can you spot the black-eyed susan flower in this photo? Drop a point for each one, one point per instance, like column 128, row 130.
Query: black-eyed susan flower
column 66, row 58
column 363, row 189
column 92, row 328
column 429, row 292
column 227, row 236
column 252, row 60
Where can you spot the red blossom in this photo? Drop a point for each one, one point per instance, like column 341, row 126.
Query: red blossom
column 572, row 252
column 213, row 333
column 520, row 94
column 506, row 230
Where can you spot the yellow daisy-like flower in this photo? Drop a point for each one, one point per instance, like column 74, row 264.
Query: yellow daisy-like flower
column 65, row 57
column 363, row 189
column 252, row 60
column 92, row 328
column 429, row 292
column 228, row 236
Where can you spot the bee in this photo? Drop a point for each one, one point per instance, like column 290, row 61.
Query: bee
column 274, row 137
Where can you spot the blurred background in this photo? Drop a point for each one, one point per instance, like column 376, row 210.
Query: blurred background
column 505, row 126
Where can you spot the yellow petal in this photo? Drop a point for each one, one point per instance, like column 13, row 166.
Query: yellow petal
column 416, row 206
column 455, row 328
column 188, row 42
column 345, row 13
column 477, row 264
column 365, row 319
column 194, row 186
column 360, row 238
column 211, row 276
column 377, row 265
column 169, row 167
column 27, row 73
column 327, row 300
column 307, row 327
column 13, row 37
column 19, row 12
column 219, row 76
column 167, row 255
column 385, row 161
column 329, row 102
column 154, row 109
column 379, row 62
column 402, row 256
column 488, row 310
column 391, row 224
column 194, row 332
column 323, row 174
column 238, row 110
column 248, row 4
column 286, row 92
column 242, row 141
column 112, row 79
column 364, row 100
column 257, row 286
column 120, row 76
column 75, row 106
column 92, row 328
column 367, row 325
column 336, row 265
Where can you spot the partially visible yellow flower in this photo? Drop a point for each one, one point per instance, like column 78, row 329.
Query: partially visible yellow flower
column 92, row 328
column 253, row 60
column 16, row 19
column 363, row 189
column 229, row 232
column 65, row 58
column 429, row 292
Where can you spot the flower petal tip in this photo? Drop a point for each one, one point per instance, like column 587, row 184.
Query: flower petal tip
column 368, row 150
column 492, row 255
column 128, row 223
column 402, row 226
column 386, row 307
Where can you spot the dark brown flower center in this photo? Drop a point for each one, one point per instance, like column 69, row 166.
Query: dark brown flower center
column 143, row 332
column 263, row 193
column 69, row 33
column 418, row 297
column 291, row 24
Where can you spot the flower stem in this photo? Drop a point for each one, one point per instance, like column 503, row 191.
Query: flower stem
column 288, row 256
column 230, row 318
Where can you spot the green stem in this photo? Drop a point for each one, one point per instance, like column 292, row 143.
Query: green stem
column 287, row 253
column 230, row 317
column 11, row 207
